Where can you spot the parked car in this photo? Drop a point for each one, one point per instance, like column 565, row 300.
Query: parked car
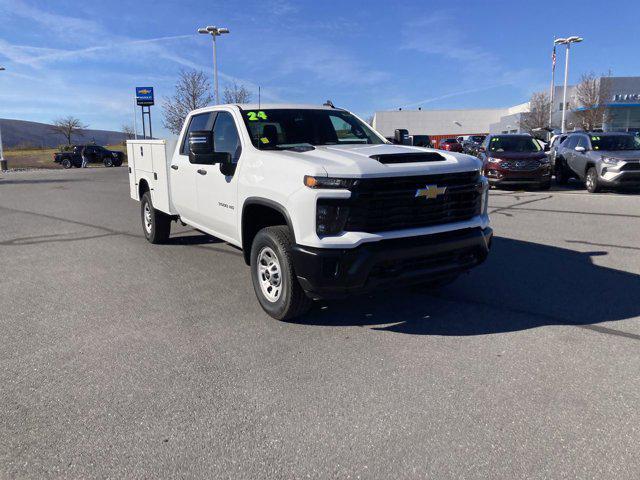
column 92, row 153
column 317, row 213
column 600, row 160
column 450, row 145
column 472, row 143
column 421, row 141
column 515, row 159
column 552, row 152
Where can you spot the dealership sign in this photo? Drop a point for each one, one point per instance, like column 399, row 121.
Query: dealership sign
column 626, row 97
column 144, row 96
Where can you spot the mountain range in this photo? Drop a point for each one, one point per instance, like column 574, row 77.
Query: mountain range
column 21, row 133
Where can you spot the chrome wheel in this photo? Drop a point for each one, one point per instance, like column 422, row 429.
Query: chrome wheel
column 269, row 274
column 147, row 218
column 590, row 182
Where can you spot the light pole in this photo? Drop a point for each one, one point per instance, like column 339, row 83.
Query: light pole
column 566, row 41
column 3, row 162
column 214, row 32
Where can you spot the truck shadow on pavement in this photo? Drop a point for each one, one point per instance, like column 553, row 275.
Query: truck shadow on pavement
column 522, row 285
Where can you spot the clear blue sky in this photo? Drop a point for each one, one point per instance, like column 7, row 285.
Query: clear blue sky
column 85, row 58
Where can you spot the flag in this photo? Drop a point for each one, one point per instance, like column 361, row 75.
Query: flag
column 553, row 57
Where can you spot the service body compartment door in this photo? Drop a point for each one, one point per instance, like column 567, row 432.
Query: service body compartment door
column 148, row 163
column 131, row 161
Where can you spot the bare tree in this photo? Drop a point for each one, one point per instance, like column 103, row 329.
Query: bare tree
column 591, row 96
column 68, row 127
column 538, row 114
column 192, row 91
column 128, row 130
column 236, row 94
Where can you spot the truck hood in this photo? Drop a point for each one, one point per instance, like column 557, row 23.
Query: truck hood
column 356, row 161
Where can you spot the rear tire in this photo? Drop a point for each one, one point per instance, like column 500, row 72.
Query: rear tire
column 272, row 274
column 156, row 225
column 592, row 182
column 66, row 163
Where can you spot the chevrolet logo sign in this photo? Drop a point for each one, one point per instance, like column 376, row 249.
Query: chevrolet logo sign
column 144, row 92
column 431, row 191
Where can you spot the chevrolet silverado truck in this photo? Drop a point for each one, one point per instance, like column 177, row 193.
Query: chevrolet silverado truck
column 92, row 154
column 321, row 205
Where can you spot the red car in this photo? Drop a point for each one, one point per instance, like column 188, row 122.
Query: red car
column 450, row 144
column 515, row 160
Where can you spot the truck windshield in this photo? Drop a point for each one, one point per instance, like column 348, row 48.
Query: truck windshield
column 615, row 142
column 280, row 129
column 514, row 144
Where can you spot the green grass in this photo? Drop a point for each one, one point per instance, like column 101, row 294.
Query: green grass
column 40, row 157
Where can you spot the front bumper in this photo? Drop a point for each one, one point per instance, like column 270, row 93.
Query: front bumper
column 334, row 273
column 622, row 176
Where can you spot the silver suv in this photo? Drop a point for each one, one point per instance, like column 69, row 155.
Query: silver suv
column 599, row 159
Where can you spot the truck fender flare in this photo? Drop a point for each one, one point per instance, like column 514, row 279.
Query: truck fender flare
column 266, row 203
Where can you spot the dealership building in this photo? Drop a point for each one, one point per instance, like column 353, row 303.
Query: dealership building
column 622, row 113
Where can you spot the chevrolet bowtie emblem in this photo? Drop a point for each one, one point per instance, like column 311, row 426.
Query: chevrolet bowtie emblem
column 431, row 191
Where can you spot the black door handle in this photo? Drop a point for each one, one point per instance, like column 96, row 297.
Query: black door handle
column 175, row 167
column 202, row 172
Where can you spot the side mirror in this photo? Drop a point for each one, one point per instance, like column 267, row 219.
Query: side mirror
column 201, row 147
column 227, row 167
column 580, row 149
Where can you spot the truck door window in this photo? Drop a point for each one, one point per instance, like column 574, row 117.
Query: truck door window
column 225, row 136
column 204, row 121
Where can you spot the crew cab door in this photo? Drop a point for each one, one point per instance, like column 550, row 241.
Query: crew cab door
column 183, row 173
column 217, row 193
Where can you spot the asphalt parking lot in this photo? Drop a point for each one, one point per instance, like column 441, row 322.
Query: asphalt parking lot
column 120, row 358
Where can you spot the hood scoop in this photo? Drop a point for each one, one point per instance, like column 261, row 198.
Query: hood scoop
column 418, row 157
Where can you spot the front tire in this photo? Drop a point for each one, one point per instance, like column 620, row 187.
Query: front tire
column 273, row 276
column 156, row 225
column 108, row 162
column 592, row 182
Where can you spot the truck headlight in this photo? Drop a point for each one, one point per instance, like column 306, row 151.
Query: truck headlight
column 328, row 182
column 611, row 160
column 331, row 218
column 484, row 199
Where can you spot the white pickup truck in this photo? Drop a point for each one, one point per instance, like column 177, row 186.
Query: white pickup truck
column 321, row 205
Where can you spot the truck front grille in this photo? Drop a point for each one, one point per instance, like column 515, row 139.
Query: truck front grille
column 385, row 204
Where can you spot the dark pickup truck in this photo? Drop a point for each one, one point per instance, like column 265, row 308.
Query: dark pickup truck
column 92, row 154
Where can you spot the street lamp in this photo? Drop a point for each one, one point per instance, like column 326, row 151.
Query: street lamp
column 566, row 41
column 3, row 162
column 214, row 32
